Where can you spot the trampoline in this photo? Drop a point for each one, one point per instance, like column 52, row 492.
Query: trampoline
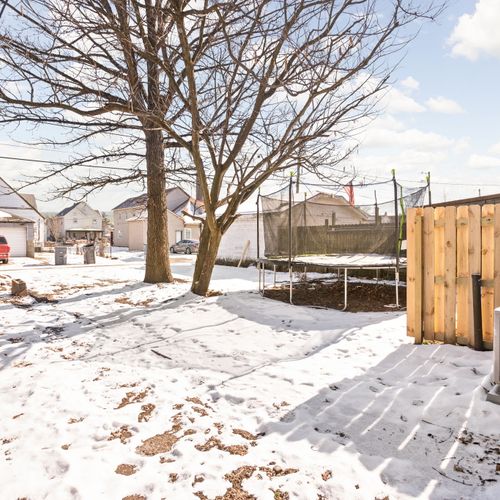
column 330, row 231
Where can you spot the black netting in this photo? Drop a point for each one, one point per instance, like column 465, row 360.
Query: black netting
column 348, row 220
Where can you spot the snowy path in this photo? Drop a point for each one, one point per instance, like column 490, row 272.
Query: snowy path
column 121, row 388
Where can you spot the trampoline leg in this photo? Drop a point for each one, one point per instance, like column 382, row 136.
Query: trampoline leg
column 397, row 288
column 263, row 278
column 345, row 290
column 291, row 284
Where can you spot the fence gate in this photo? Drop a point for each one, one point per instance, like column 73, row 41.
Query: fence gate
column 445, row 246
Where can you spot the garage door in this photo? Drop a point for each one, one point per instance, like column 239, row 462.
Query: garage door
column 16, row 237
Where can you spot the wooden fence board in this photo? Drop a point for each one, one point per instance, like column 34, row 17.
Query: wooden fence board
column 428, row 274
column 439, row 269
column 474, row 258
column 487, row 271
column 463, row 277
column 450, row 273
column 410, row 272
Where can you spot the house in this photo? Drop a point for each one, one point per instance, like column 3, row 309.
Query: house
column 78, row 221
column 131, row 217
column 20, row 221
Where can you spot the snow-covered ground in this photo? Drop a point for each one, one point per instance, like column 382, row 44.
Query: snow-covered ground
column 114, row 388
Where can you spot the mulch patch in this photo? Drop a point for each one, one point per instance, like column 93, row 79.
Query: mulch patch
column 361, row 297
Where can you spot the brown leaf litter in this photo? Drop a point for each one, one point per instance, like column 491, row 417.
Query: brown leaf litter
column 126, row 469
column 236, row 491
column 134, row 497
column 277, row 471
column 145, row 414
column 129, row 302
column 123, row 434
column 160, row 443
column 326, row 475
column 245, row 434
column 213, row 442
column 133, row 397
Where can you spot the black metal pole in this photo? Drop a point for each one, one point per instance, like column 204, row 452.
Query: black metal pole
column 396, row 217
column 476, row 309
column 429, row 187
column 258, row 226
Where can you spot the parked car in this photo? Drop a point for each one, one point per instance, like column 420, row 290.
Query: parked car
column 185, row 246
column 4, row 250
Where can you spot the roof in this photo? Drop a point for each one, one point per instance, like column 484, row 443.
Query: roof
column 30, row 199
column 66, row 210
column 141, row 200
column 12, row 218
column 27, row 201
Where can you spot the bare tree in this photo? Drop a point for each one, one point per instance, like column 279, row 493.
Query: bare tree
column 286, row 79
column 95, row 68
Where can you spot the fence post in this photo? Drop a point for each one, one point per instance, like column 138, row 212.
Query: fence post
column 428, row 274
column 476, row 307
column 488, row 271
column 414, row 274
column 439, row 265
column 450, row 275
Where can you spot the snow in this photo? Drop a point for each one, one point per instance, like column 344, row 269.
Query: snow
column 322, row 393
column 345, row 260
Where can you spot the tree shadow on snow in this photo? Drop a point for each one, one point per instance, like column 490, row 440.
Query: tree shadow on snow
column 407, row 417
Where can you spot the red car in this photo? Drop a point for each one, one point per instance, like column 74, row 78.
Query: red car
column 4, row 250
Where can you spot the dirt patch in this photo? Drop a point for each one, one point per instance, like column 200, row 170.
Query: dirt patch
column 73, row 420
column 126, row 469
column 173, row 477
column 277, row 471
column 132, row 397
column 236, row 491
column 213, row 442
column 326, row 475
column 361, row 297
column 126, row 300
column 145, row 414
column 134, row 497
column 245, row 434
column 123, row 434
column 161, row 443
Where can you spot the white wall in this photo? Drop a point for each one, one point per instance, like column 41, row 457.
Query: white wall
column 82, row 217
column 244, row 228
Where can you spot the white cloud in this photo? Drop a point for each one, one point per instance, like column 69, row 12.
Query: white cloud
column 495, row 149
column 443, row 105
column 483, row 161
column 396, row 101
column 410, row 138
column 410, row 83
column 478, row 33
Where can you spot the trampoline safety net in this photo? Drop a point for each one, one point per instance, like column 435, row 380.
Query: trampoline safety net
column 352, row 219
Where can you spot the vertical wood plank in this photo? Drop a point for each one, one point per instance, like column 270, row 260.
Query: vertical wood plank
column 428, row 274
column 474, row 258
column 418, row 333
column 439, row 267
column 463, row 276
column 488, row 271
column 497, row 257
column 410, row 271
column 450, row 273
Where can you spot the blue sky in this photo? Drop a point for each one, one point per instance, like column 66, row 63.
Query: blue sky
column 441, row 114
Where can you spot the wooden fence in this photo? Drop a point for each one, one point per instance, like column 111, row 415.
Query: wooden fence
column 445, row 246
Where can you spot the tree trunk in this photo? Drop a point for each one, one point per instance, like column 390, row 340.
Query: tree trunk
column 157, row 259
column 205, row 261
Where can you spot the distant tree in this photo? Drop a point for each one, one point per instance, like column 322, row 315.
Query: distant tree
column 284, row 81
column 96, row 68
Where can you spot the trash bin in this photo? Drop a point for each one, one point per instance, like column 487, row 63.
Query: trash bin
column 89, row 254
column 60, row 256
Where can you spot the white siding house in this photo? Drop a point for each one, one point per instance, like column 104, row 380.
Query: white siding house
column 21, row 223
column 79, row 221
column 132, row 213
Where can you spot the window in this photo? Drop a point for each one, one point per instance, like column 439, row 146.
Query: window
column 95, row 221
column 75, row 221
column 187, row 233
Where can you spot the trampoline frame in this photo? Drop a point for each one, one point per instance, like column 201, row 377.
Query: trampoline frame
column 261, row 267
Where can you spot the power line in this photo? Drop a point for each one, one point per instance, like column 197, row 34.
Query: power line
column 48, row 162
